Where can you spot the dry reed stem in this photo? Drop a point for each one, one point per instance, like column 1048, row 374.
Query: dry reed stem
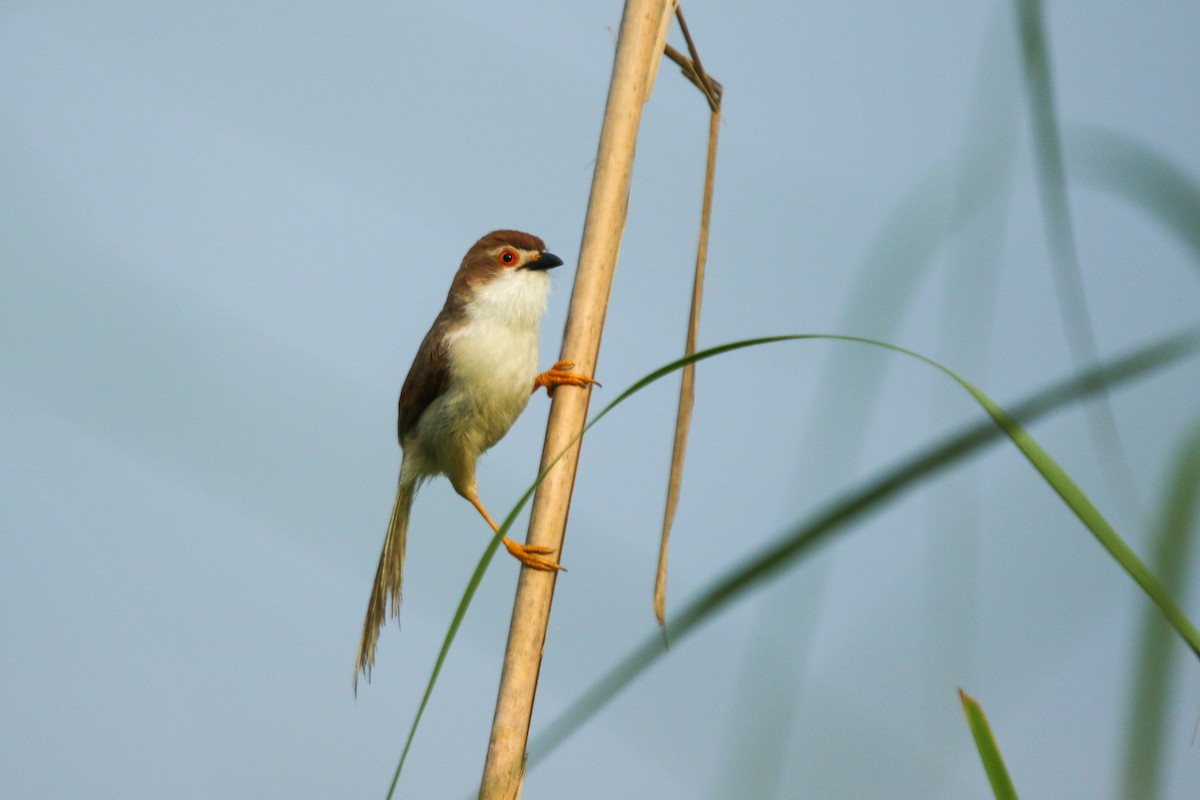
column 637, row 57
column 711, row 87
column 694, row 70
column 687, row 386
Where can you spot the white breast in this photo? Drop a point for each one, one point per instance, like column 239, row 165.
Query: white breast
column 494, row 360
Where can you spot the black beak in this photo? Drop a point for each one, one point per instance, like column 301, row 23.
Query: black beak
column 546, row 261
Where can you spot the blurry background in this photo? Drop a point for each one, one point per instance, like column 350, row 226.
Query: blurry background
column 225, row 228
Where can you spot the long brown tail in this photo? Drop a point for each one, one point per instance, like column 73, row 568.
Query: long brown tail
column 388, row 578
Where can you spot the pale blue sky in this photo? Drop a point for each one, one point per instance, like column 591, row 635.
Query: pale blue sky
column 225, row 228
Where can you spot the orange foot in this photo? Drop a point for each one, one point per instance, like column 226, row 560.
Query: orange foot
column 532, row 555
column 560, row 375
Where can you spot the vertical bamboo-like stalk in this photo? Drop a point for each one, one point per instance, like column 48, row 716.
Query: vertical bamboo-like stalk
column 639, row 49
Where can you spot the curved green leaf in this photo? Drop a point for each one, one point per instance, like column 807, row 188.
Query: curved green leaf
column 779, row 556
column 1142, row 175
column 1172, row 553
column 768, row 563
column 1064, row 255
column 989, row 751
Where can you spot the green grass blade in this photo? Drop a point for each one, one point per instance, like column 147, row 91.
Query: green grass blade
column 1064, row 257
column 771, row 561
column 1142, row 175
column 955, row 214
column 989, row 752
column 1173, row 552
column 459, row 614
column 1088, row 514
column 1149, row 179
column 490, row 551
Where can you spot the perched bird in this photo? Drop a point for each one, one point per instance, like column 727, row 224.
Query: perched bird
column 470, row 380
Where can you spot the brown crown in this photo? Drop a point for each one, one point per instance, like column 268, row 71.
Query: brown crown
column 517, row 239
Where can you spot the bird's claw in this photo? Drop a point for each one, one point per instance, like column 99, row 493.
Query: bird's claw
column 532, row 555
column 560, row 375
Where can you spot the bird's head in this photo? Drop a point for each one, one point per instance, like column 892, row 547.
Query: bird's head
column 505, row 274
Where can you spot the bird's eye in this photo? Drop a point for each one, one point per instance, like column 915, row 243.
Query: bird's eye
column 507, row 257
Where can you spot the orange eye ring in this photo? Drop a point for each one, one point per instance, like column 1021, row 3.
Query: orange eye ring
column 507, row 257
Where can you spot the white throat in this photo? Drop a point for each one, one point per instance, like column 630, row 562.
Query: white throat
column 516, row 298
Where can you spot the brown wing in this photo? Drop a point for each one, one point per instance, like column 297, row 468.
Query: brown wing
column 428, row 377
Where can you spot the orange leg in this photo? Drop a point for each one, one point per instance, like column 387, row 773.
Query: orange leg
column 528, row 554
column 560, row 375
